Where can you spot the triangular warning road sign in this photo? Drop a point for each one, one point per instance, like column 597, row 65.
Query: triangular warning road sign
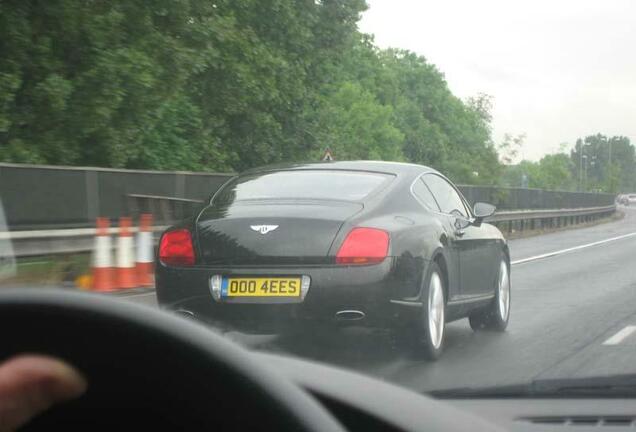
column 327, row 156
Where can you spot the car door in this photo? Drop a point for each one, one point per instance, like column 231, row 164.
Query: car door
column 424, row 195
column 481, row 253
column 472, row 245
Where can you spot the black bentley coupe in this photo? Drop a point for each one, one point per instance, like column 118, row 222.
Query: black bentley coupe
column 381, row 244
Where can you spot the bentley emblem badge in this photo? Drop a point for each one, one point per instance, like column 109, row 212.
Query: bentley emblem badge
column 263, row 229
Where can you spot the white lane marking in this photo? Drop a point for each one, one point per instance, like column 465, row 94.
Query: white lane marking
column 572, row 249
column 621, row 335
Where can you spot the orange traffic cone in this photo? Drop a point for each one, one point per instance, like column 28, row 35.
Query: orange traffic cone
column 102, row 258
column 145, row 276
column 125, row 270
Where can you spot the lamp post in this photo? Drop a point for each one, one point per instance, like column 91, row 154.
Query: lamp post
column 592, row 164
column 610, row 171
column 581, row 167
column 584, row 177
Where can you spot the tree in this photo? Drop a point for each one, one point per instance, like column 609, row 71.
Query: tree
column 439, row 129
column 482, row 104
column 554, row 173
column 357, row 126
column 224, row 84
column 85, row 81
column 510, row 147
column 591, row 163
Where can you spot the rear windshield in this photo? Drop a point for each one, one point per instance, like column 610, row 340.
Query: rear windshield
column 319, row 184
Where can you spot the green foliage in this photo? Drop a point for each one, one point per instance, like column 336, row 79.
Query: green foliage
column 224, row 85
column 188, row 84
column 510, row 147
column 604, row 164
column 555, row 173
column 178, row 131
column 596, row 164
column 357, row 126
column 91, row 76
column 552, row 172
column 438, row 129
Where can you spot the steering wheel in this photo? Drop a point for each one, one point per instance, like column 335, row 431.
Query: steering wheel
column 150, row 370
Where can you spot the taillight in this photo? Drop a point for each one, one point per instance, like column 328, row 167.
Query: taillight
column 176, row 248
column 364, row 246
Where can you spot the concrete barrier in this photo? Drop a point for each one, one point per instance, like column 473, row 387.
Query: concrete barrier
column 38, row 197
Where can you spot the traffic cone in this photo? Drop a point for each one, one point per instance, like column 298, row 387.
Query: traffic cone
column 145, row 271
column 102, row 258
column 125, row 269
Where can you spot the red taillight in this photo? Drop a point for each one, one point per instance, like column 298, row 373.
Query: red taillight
column 176, row 248
column 364, row 246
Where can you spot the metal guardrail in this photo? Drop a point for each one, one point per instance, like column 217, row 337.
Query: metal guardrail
column 57, row 242
column 165, row 210
column 522, row 220
column 65, row 241
column 506, row 198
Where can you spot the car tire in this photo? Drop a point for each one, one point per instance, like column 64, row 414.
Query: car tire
column 497, row 315
column 434, row 316
column 416, row 337
column 431, row 327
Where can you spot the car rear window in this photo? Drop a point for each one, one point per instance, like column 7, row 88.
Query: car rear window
column 306, row 184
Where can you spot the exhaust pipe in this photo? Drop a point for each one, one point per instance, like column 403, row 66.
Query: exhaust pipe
column 350, row 315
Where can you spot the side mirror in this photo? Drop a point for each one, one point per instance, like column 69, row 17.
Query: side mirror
column 482, row 210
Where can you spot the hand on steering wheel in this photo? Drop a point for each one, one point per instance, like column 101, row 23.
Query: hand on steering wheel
column 30, row 384
column 147, row 370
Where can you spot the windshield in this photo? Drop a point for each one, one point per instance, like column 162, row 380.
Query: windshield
column 323, row 184
column 350, row 148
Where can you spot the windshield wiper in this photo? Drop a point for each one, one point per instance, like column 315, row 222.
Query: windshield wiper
column 618, row 386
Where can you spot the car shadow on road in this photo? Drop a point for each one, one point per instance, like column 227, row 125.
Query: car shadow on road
column 362, row 349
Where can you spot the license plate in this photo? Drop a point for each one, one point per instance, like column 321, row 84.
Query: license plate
column 260, row 287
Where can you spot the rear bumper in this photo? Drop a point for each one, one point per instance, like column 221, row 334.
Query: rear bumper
column 333, row 289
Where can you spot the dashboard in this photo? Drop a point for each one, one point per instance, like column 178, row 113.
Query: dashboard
column 363, row 403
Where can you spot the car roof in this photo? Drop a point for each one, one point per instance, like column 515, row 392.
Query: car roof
column 396, row 168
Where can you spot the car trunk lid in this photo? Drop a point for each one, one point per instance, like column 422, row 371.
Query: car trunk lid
column 266, row 232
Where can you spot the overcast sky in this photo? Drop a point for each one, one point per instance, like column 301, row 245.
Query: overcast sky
column 558, row 70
